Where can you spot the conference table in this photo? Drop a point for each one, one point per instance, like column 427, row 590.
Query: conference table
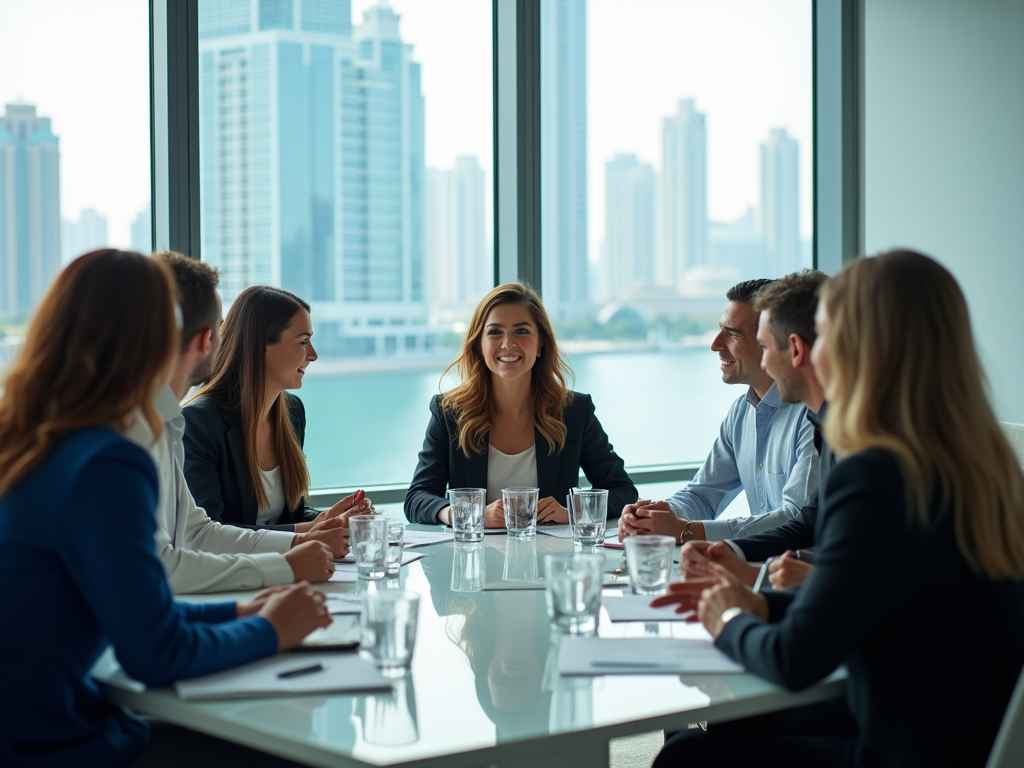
column 483, row 688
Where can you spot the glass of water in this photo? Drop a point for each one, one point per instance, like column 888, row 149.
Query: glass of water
column 573, row 587
column 468, row 567
column 369, row 539
column 388, row 625
column 588, row 515
column 467, row 509
column 520, row 511
column 396, row 543
column 649, row 559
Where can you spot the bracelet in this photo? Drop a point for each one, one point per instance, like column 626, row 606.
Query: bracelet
column 686, row 534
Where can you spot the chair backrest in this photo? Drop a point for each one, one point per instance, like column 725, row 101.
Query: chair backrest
column 1008, row 750
column 1015, row 434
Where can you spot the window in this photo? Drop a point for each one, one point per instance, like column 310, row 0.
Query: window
column 74, row 143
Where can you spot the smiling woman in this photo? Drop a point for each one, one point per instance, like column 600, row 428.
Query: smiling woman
column 513, row 421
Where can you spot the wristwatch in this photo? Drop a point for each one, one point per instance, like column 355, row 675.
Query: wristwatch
column 686, row 534
column 731, row 613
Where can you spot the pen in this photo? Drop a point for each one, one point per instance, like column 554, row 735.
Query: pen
column 762, row 575
column 300, row 671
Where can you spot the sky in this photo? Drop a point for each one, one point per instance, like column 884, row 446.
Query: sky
column 746, row 62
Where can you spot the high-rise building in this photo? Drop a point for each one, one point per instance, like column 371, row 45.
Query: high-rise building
column 563, row 129
column 684, row 184
column 86, row 234
column 738, row 245
column 142, row 230
column 29, row 209
column 629, row 223
column 312, row 164
column 459, row 268
column 780, row 202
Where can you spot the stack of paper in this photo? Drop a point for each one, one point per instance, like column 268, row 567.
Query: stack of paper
column 423, row 538
column 641, row 656
column 631, row 607
column 345, row 567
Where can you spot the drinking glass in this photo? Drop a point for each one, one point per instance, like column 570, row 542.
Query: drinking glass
column 389, row 719
column 520, row 560
column 520, row 511
column 396, row 543
column 369, row 538
column 588, row 515
column 467, row 509
column 468, row 567
column 649, row 559
column 388, row 625
column 573, row 588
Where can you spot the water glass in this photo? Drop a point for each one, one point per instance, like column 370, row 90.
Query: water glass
column 588, row 515
column 573, row 588
column 649, row 559
column 468, row 567
column 396, row 543
column 520, row 511
column 369, row 540
column 389, row 719
column 467, row 510
column 520, row 560
column 388, row 625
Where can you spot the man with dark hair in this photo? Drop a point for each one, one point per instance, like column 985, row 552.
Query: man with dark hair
column 201, row 555
column 765, row 448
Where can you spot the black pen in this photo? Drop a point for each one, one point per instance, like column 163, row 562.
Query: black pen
column 300, row 671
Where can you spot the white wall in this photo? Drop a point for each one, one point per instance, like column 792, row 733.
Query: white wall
column 943, row 159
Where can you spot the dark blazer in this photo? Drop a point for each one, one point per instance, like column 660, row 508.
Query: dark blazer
column 442, row 465
column 215, row 468
column 922, row 634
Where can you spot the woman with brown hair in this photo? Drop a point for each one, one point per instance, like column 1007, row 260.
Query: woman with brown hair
column 513, row 421
column 919, row 567
column 78, row 563
column 244, row 433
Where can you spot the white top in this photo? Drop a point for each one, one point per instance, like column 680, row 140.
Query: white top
column 504, row 471
column 273, row 486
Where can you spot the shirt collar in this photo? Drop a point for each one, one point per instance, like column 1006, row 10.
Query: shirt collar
column 771, row 397
column 137, row 428
column 167, row 404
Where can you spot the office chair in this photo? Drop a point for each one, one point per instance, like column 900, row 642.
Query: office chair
column 1015, row 434
column 1008, row 750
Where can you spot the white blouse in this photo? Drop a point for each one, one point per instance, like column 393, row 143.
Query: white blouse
column 273, row 486
column 505, row 471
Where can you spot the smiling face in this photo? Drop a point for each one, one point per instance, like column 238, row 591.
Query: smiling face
column 778, row 363
column 288, row 357
column 737, row 347
column 510, row 342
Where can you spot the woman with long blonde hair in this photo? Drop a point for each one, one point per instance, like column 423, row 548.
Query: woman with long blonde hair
column 78, row 565
column 512, row 420
column 918, row 582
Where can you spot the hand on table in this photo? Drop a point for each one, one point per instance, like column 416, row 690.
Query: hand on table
column 696, row 557
column 311, row 561
column 333, row 533
column 294, row 612
column 550, row 511
column 786, row 572
column 252, row 607
column 727, row 592
column 494, row 514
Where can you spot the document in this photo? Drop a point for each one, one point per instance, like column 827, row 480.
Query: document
column 424, row 538
column 303, row 673
column 630, row 607
column 564, row 531
column 345, row 568
column 340, row 605
column 584, row 656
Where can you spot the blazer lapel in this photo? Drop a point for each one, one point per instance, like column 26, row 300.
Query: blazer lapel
column 476, row 469
column 236, row 445
column 547, row 468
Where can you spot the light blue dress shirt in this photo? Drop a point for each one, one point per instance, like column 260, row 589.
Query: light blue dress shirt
column 766, row 448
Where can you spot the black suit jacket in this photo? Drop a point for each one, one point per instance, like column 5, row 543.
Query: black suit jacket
column 922, row 634
column 442, row 465
column 215, row 468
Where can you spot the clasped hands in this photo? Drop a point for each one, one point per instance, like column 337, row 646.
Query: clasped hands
column 548, row 511
column 647, row 517
column 709, row 597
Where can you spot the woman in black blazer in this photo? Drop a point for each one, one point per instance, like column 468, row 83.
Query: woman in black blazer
column 917, row 583
column 244, row 434
column 513, row 401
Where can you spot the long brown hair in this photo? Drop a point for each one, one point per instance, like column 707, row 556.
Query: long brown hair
column 103, row 334
column 905, row 377
column 471, row 401
column 258, row 317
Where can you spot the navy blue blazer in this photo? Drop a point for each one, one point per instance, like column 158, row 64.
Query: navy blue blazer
column 215, row 467
column 443, row 465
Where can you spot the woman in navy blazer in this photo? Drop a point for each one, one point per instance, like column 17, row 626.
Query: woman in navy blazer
column 243, row 427
column 513, row 399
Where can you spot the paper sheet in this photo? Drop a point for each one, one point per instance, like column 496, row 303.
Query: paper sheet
column 424, row 538
column 341, row 672
column 345, row 568
column 641, row 656
column 565, row 531
column 630, row 607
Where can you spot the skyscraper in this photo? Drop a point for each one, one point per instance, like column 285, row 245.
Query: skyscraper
column 312, row 163
column 684, row 182
column 629, row 222
column 142, row 230
column 563, row 130
column 29, row 209
column 459, row 267
column 86, row 234
column 780, row 202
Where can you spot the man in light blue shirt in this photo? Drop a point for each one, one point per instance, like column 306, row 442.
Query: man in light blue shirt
column 765, row 448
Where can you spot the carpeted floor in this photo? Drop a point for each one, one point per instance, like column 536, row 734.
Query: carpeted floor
column 635, row 751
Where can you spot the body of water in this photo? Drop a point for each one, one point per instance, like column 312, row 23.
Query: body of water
column 656, row 407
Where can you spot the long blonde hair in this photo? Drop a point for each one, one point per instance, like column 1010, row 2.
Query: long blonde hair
column 258, row 317
column 905, row 377
column 471, row 401
column 102, row 336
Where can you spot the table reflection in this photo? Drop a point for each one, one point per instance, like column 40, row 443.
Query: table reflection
column 389, row 718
